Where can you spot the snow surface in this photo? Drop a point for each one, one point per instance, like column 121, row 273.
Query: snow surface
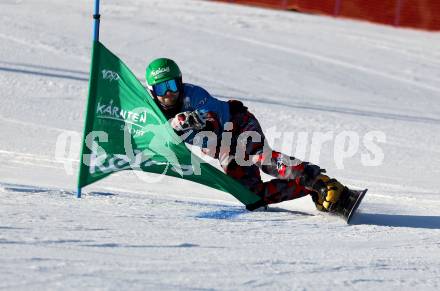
column 297, row 73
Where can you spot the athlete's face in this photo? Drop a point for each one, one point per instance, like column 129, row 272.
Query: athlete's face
column 169, row 99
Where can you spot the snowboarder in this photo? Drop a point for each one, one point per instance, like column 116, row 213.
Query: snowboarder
column 192, row 109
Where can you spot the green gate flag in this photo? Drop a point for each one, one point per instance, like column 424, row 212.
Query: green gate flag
column 125, row 130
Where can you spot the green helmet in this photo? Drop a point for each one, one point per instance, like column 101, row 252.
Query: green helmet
column 161, row 70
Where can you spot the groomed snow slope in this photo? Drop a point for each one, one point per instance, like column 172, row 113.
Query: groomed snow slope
column 297, row 73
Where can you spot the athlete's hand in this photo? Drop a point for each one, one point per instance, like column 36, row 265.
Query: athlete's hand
column 189, row 120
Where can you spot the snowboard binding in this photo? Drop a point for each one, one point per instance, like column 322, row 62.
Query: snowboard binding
column 348, row 203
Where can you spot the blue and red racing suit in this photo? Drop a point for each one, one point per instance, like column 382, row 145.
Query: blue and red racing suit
column 292, row 175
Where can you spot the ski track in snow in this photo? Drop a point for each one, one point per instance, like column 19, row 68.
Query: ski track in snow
column 296, row 72
column 341, row 110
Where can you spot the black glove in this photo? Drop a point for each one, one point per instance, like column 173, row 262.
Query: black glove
column 310, row 173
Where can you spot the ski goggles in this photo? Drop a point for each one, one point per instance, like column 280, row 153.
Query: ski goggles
column 161, row 88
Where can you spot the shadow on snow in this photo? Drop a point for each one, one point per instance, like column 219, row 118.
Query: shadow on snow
column 397, row 220
column 233, row 212
column 17, row 188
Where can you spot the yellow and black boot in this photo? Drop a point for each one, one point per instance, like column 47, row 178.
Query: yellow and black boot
column 328, row 194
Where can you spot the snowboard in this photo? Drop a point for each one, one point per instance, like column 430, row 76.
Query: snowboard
column 348, row 204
